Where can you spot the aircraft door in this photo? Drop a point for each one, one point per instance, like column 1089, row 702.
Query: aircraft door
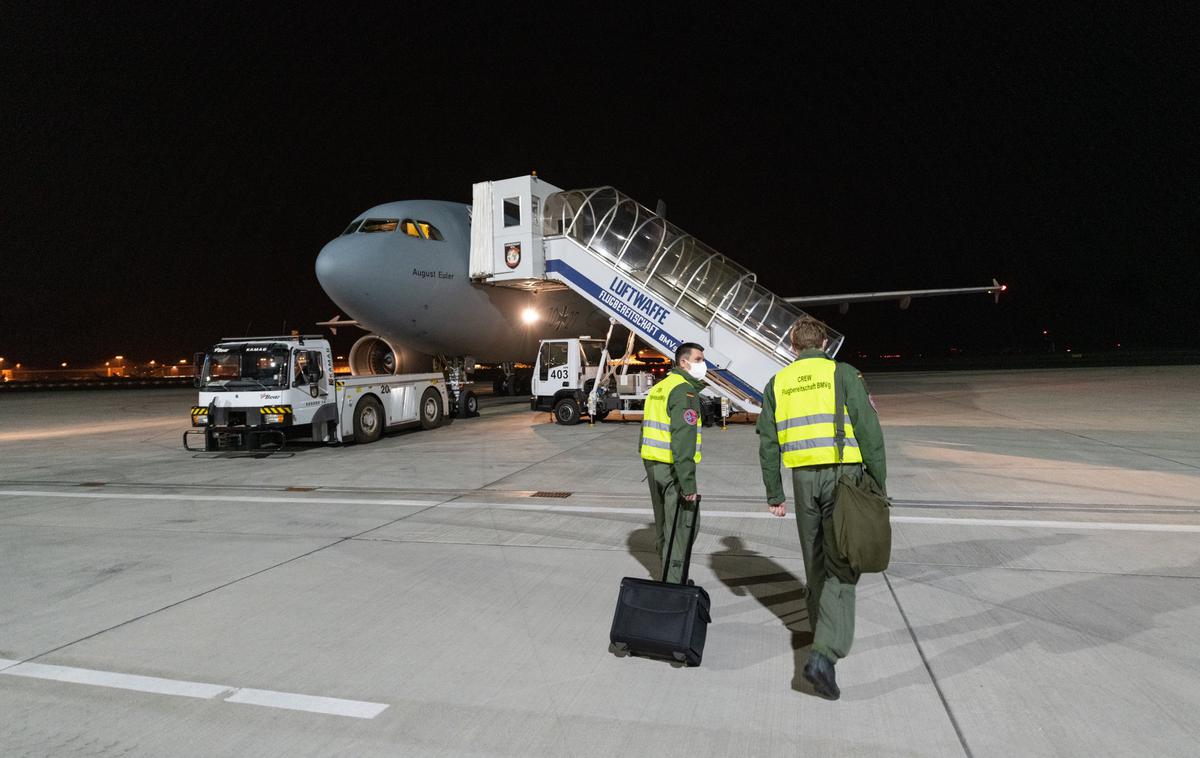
column 309, row 373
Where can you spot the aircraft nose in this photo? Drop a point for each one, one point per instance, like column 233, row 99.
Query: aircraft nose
column 331, row 266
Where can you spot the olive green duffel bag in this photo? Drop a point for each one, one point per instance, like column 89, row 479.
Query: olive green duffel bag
column 862, row 525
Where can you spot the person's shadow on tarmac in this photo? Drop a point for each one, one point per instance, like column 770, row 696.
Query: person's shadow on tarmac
column 640, row 543
column 777, row 589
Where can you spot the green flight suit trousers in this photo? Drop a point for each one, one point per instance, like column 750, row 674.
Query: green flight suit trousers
column 666, row 498
column 831, row 580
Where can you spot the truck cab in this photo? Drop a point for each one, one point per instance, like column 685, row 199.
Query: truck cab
column 260, row 390
column 574, row 378
column 564, row 373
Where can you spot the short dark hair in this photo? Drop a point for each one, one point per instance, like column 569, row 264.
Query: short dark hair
column 685, row 349
column 808, row 333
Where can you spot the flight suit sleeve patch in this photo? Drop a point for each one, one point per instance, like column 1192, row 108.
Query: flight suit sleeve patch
column 690, row 416
column 870, row 397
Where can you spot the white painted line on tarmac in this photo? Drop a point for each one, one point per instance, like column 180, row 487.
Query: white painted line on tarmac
column 151, row 684
column 1111, row 526
column 1106, row 526
column 1114, row 526
column 102, row 495
column 333, row 706
column 292, row 701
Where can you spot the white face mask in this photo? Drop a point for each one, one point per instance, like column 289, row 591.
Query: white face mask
column 697, row 370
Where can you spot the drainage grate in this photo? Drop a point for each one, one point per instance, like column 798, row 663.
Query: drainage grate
column 92, row 484
column 300, row 489
column 540, row 493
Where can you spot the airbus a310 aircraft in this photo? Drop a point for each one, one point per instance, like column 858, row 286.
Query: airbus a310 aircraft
column 401, row 272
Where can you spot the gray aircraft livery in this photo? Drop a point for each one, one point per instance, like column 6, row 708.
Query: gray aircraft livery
column 401, row 271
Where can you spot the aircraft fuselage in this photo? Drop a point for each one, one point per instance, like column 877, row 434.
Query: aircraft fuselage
column 416, row 292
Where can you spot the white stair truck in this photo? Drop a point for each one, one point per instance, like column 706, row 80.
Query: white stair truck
column 257, row 391
column 575, row 377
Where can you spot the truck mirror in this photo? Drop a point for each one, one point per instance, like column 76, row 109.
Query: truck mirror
column 197, row 369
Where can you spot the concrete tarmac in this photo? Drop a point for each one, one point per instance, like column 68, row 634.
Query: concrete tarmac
column 422, row 596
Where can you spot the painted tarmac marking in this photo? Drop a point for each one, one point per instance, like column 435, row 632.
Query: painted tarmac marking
column 291, row 701
column 107, row 495
column 1111, row 526
column 1028, row 523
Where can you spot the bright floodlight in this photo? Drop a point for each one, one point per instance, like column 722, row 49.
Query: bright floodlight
column 529, row 316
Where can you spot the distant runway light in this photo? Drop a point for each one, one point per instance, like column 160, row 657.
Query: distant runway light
column 529, row 316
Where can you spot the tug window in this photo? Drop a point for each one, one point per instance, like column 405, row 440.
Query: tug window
column 431, row 232
column 379, row 225
column 307, row 366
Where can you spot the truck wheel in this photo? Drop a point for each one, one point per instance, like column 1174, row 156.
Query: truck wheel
column 468, row 405
column 566, row 412
column 431, row 409
column 368, row 420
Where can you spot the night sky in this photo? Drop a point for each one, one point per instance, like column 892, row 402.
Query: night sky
column 168, row 175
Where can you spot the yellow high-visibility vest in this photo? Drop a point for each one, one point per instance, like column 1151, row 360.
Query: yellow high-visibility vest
column 804, row 415
column 656, row 422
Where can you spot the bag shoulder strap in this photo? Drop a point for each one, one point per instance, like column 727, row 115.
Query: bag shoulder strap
column 839, row 414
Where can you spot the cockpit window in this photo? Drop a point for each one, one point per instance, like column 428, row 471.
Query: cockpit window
column 431, row 232
column 353, row 227
column 379, row 225
column 409, row 227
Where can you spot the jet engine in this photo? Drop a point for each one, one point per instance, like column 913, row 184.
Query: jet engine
column 373, row 355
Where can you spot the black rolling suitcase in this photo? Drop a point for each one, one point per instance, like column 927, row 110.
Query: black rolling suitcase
column 662, row 619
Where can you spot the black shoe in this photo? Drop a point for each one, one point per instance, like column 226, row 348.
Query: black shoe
column 819, row 673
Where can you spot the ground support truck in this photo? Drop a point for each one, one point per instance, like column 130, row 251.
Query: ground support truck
column 576, row 377
column 264, row 391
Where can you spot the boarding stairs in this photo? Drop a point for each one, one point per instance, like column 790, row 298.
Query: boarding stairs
column 647, row 274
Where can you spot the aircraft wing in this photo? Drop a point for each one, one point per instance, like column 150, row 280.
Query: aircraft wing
column 904, row 296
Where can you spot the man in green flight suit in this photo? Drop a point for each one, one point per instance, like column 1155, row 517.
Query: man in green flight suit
column 670, row 448
column 797, row 423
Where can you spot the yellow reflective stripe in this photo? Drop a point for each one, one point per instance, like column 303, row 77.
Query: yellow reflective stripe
column 815, row 418
column 829, row 442
column 656, row 425
column 664, row 444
